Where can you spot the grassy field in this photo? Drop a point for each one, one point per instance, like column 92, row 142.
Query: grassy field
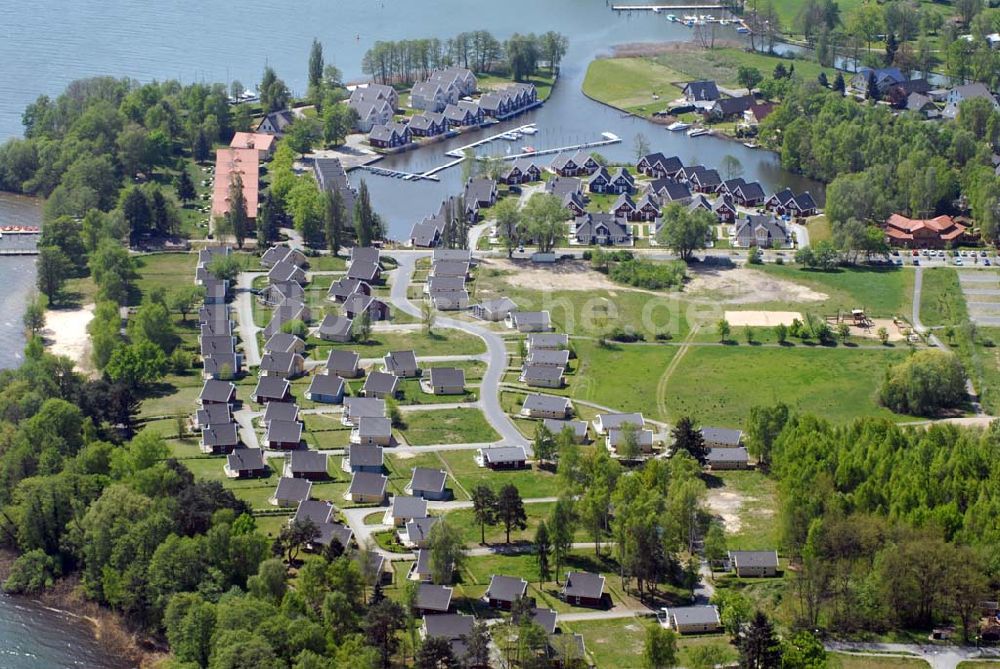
column 621, row 376
column 941, row 299
column 721, row 65
column 531, row 483
column 465, row 521
column 819, row 229
column 881, row 292
column 165, row 270
column 632, row 84
column 441, row 342
column 718, row 385
column 447, row 426
column 757, row 493
column 846, row 661
column 543, row 83
column 979, row 664
column 618, row 643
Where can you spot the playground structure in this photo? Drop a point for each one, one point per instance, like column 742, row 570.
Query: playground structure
column 862, row 325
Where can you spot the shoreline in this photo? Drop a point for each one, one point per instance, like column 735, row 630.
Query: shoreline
column 109, row 628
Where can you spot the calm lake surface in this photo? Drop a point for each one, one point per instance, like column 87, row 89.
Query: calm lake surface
column 47, row 44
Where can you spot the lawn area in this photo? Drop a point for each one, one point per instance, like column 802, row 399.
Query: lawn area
column 941, row 298
column 847, row 661
column 165, row 270
column 881, row 292
column 441, row 342
column 543, row 83
column 788, row 11
column 399, row 469
column 718, row 385
column 750, row 525
column 632, row 84
column 979, row 664
column 618, row 643
column 621, row 376
column 819, row 229
column 531, row 483
column 465, row 521
column 722, row 65
column 447, row 426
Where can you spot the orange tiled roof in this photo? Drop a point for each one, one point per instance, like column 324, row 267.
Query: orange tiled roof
column 236, row 161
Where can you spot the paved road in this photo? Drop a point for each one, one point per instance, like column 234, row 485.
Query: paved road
column 244, row 317
column 497, row 351
column 705, row 590
column 918, row 286
column 613, row 614
column 939, row 657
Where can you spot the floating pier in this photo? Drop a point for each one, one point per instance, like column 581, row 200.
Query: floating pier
column 608, row 138
column 663, row 8
column 398, row 174
column 460, row 151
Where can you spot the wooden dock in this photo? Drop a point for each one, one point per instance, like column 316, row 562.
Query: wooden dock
column 664, row 8
column 609, row 138
column 398, row 174
column 460, row 151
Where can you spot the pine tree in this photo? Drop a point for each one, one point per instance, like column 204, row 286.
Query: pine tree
column 838, row 83
column 542, row 549
column 185, row 187
column 237, row 217
column 688, row 438
column 364, row 217
column 333, row 221
column 872, row 90
column 823, row 81
column 760, row 648
column 267, row 222
column 510, row 509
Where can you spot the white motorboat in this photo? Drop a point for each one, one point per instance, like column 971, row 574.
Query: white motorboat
column 529, row 130
column 698, row 132
column 678, row 125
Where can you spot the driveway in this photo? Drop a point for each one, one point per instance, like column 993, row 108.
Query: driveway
column 489, row 394
column 244, row 317
column 939, row 657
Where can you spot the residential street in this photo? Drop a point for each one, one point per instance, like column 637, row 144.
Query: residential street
column 489, row 396
column 244, row 317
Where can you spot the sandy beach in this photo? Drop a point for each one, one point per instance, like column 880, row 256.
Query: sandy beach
column 65, row 334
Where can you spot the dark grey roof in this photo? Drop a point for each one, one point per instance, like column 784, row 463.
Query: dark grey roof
column 367, row 483
column 731, row 106
column 418, row 530
column 670, row 165
column 284, row 431
column 385, row 133
column 498, row 454
column 271, row 387
column 326, row 384
column 365, row 407
column 427, row 479
column 424, row 234
column 334, row 326
column 702, row 90
column 548, row 356
column 365, row 455
column 694, row 615
column 246, row 458
column 216, row 344
column 752, row 190
column 448, row 625
column 584, row 584
column 344, row 288
column 308, row 462
column 722, row 435
column 433, row 597
column 330, row 531
column 555, row 426
column 616, row 420
column 363, row 270
column 454, row 255
column 546, row 403
column 342, row 360
column 292, row 489
column 445, row 283
column 754, row 558
column 547, row 340
column 423, row 563
column 406, row 506
column 281, row 341
column 330, row 175
column 210, row 313
column 220, row 434
column 381, row 383
column 400, row 360
column 503, row 304
column 544, row 618
column 221, row 363
column 212, row 414
column 317, row 510
column 539, row 318
column 450, row 268
column 447, row 376
column 217, row 391
column 365, row 254
column 562, row 186
column 728, row 455
column 280, row 361
column 672, row 191
column 546, row 373
column 506, row 588
column 287, row 411
column 374, row 426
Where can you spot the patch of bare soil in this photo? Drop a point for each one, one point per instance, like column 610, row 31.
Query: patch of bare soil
column 727, row 504
column 746, row 286
column 563, row 275
column 66, row 333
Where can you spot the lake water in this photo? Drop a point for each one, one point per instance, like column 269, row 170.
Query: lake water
column 47, row 44
column 35, row 637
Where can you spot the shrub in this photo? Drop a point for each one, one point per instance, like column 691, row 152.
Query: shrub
column 664, row 336
column 924, row 383
column 626, row 336
column 645, row 274
column 31, row 573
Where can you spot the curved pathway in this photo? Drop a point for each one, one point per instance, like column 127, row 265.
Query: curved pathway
column 489, row 395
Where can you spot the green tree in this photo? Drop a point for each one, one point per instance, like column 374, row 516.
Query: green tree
column 185, row 299
column 508, row 218
column 510, row 510
column 748, row 77
column 137, row 365
column 484, row 508
column 760, row 647
column 803, row 651
column 335, row 220
column 34, row 314
column 315, row 73
column 562, row 525
column 628, row 442
column 545, row 220
column 659, row 650
column 366, row 222
column 303, row 134
column 925, row 383
column 684, row 231
column 723, row 330
column 52, row 269
column 237, row 216
column 688, row 438
column 544, row 445
column 225, row 267
column 715, row 543
column 382, row 625
column 447, row 551
column 542, row 549
column 185, row 187
column 764, row 424
column 435, row 652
